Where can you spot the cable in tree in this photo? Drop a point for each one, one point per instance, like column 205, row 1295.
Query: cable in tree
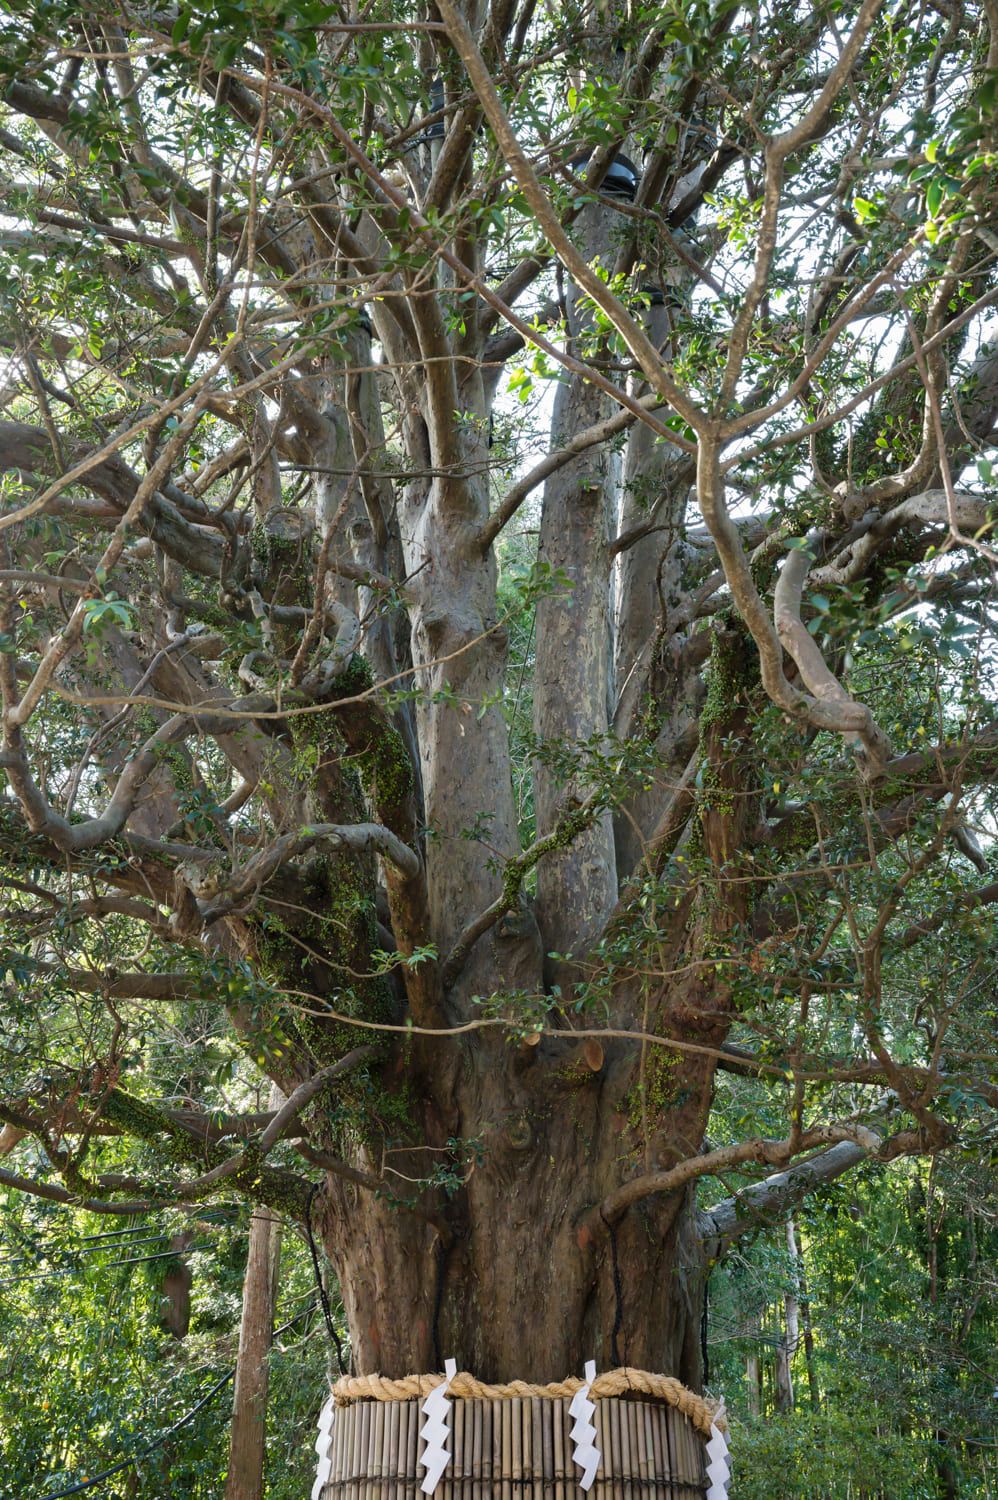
column 323, row 1298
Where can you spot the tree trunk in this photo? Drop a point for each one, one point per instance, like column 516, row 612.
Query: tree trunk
column 248, row 1434
column 813, row 1388
column 787, row 1347
column 526, row 1288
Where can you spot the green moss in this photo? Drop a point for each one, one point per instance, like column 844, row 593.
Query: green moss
column 734, row 672
column 381, row 755
column 654, row 1094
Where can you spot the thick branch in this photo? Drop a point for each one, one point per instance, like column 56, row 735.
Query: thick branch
column 858, row 723
column 55, row 1194
column 775, row 1197
column 773, row 1153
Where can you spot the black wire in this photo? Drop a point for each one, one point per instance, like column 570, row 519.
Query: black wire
column 136, row 1260
column 438, row 1362
column 326, row 1312
column 618, row 1321
column 703, row 1337
column 128, row 1463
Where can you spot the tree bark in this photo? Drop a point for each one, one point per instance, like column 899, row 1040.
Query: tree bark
column 787, row 1347
column 527, row 1286
column 248, row 1433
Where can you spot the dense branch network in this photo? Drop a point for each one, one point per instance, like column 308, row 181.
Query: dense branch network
column 325, row 705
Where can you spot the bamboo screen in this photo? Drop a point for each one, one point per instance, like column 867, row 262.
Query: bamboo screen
column 516, row 1448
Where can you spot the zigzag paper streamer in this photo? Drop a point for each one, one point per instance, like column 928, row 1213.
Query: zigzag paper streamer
column 435, row 1432
column 324, row 1448
column 585, row 1453
column 718, row 1462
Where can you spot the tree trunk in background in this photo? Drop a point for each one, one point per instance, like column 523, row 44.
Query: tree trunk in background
column 248, row 1434
column 787, row 1347
column 754, row 1382
column 813, row 1389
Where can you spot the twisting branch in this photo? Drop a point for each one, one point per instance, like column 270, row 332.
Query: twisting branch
column 771, row 1153
column 859, row 727
column 931, row 508
column 847, row 718
column 358, row 838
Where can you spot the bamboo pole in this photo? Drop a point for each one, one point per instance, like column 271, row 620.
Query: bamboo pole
column 336, row 1467
column 668, row 1455
column 505, row 1448
column 367, row 1416
column 353, row 1461
column 618, row 1450
column 488, row 1425
column 634, row 1467
column 547, row 1416
column 477, row 1487
column 379, row 1452
column 392, row 1450
column 448, row 1489
column 516, row 1451
column 559, row 1422
column 526, row 1450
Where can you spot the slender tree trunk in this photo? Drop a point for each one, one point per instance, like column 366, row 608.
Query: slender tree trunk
column 247, row 1442
column 813, row 1389
column 754, row 1384
column 787, row 1347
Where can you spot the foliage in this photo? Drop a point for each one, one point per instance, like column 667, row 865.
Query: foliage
column 503, row 651
column 91, row 1375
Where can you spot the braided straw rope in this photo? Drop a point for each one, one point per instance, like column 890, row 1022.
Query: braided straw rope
column 613, row 1383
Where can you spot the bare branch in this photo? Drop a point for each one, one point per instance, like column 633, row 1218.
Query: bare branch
column 55, row 1194
column 296, row 1102
column 773, row 1153
column 858, row 724
column 600, row 432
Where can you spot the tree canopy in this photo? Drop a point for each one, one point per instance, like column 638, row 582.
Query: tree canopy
column 496, row 635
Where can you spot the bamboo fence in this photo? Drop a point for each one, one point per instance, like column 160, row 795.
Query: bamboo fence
column 517, row 1448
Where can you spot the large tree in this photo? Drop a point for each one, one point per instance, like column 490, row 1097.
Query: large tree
column 499, row 848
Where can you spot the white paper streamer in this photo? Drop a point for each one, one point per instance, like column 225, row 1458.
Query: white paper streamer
column 435, row 1432
column 324, row 1448
column 585, row 1454
column 718, row 1462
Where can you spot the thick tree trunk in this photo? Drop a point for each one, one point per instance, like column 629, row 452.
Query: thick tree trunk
column 527, row 1287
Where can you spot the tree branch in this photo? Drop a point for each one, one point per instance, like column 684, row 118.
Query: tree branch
column 773, row 1153
column 55, row 1194
column 861, row 729
column 776, row 1197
